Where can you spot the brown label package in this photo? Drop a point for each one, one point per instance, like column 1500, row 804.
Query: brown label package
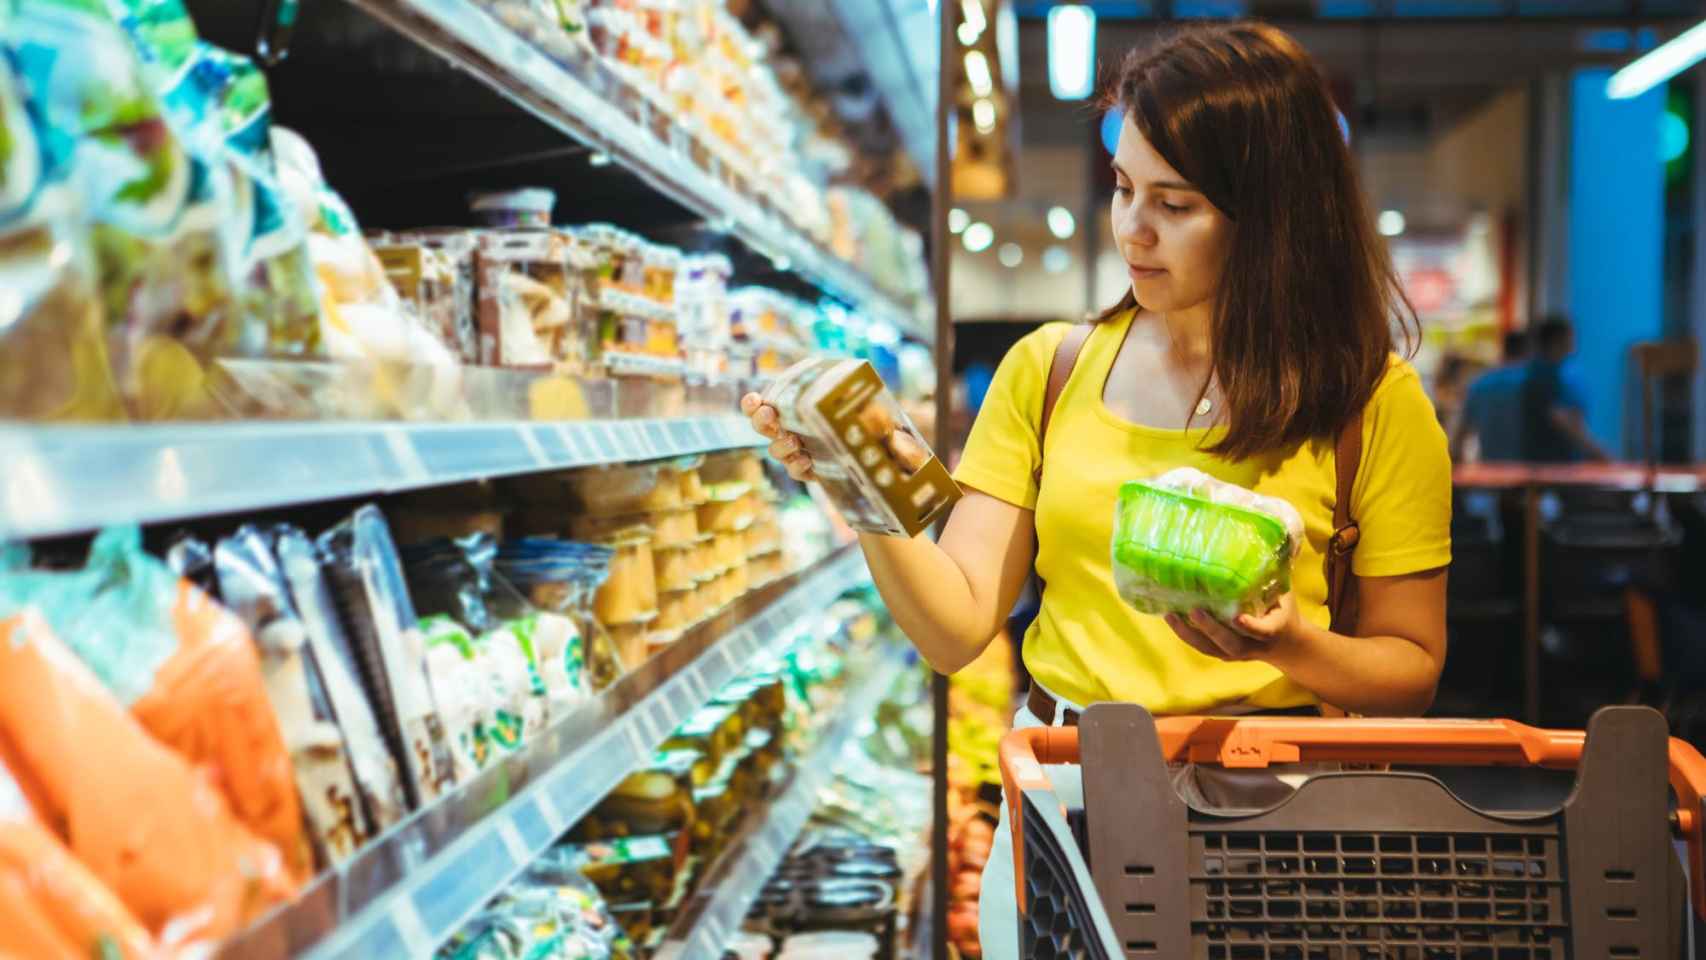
column 865, row 451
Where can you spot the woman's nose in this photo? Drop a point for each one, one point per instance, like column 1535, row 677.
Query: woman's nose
column 1131, row 227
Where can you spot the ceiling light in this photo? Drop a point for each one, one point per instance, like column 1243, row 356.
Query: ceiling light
column 1011, row 255
column 971, row 11
column 1056, row 259
column 1390, row 223
column 983, row 115
column 1060, row 222
column 967, row 35
column 978, row 237
column 1674, row 56
column 977, row 73
column 1071, row 51
column 958, row 220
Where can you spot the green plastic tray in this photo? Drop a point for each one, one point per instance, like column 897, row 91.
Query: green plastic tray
column 1174, row 552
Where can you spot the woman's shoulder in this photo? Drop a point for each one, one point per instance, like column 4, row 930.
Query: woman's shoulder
column 1037, row 348
column 1399, row 382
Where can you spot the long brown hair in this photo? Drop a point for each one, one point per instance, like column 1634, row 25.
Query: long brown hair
column 1308, row 299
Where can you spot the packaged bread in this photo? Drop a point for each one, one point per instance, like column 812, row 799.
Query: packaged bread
column 252, row 585
column 1187, row 541
column 151, row 826
column 630, row 593
column 866, row 454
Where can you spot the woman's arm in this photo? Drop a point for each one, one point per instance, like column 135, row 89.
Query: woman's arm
column 950, row 597
column 1391, row 667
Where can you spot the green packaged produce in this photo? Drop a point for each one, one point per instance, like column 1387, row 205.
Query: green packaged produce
column 1186, row 541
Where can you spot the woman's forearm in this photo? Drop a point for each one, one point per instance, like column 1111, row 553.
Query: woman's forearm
column 930, row 598
column 1374, row 676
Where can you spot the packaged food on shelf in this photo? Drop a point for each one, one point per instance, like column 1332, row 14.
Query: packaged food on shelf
column 251, row 583
column 656, row 800
column 867, row 455
column 524, row 208
column 676, row 610
column 53, row 351
column 729, row 508
column 383, row 801
column 562, row 577
column 624, row 869
column 158, row 205
column 702, row 301
column 375, row 609
column 435, row 290
column 145, row 821
column 184, row 666
column 1187, row 541
column 527, row 294
column 765, row 569
column 674, row 566
column 51, row 905
column 730, row 551
column 546, row 915
column 630, row 593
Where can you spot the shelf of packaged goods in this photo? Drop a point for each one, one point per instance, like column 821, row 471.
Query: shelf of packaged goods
column 706, row 923
column 412, row 888
column 71, row 479
column 576, row 93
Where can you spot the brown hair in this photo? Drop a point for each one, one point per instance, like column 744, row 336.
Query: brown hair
column 1308, row 298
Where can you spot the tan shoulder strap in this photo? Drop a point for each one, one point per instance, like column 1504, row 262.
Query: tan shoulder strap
column 1060, row 371
column 1341, row 582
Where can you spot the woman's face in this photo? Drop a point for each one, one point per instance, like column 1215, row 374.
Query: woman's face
column 1173, row 240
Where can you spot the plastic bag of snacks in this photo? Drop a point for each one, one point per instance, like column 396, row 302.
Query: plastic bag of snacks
column 383, row 801
column 1186, row 541
column 51, row 906
column 374, row 607
column 157, row 204
column 151, row 826
column 184, row 666
column 562, row 577
column 53, row 352
column 252, row 585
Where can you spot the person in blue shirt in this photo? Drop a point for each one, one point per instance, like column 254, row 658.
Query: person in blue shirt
column 1554, row 403
column 1492, row 407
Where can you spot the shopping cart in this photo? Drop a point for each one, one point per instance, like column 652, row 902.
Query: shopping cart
column 1356, row 864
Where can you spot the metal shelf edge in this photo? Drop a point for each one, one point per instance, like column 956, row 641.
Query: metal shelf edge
column 70, row 479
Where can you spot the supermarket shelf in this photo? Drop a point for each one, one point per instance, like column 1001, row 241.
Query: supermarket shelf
column 61, row 480
column 411, row 889
column 705, row 924
column 573, row 100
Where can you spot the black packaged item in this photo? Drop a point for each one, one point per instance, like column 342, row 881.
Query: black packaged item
column 190, row 558
column 374, row 605
column 253, row 587
column 373, row 763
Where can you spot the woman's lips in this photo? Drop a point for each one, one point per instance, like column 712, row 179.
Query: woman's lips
column 1144, row 273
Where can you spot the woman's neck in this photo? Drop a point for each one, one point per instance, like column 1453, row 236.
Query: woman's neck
column 1190, row 330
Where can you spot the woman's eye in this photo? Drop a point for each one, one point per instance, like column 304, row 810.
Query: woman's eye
column 1174, row 207
column 1122, row 190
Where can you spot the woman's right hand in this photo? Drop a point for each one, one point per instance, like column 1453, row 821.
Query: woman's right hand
column 784, row 446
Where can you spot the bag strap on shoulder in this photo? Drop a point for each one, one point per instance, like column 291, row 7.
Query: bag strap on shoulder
column 1060, row 371
column 1341, row 582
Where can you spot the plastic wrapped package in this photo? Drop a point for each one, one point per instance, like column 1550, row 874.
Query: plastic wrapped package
column 53, row 352
column 1186, row 541
column 626, row 869
column 148, row 824
column 674, row 569
column 157, row 205
column 655, row 800
column 185, row 667
column 766, row 569
column 730, row 507
column 868, row 457
column 630, row 593
column 475, row 723
column 254, row 587
column 374, row 607
column 435, row 291
column 561, row 577
column 676, row 611
column 51, row 906
column 383, row 800
column 526, row 307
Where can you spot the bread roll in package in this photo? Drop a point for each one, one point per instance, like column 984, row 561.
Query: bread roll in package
column 1187, row 541
column 866, row 453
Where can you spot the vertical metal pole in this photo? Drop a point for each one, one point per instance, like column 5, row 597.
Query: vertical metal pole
column 939, row 239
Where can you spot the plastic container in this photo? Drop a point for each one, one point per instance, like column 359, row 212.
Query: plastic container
column 527, row 207
column 1176, row 550
column 674, row 567
column 830, row 945
column 1355, row 860
column 631, row 592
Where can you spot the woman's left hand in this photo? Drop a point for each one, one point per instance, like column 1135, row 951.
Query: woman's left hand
column 1245, row 638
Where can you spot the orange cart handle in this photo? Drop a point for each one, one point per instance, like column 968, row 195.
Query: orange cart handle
column 1256, row 742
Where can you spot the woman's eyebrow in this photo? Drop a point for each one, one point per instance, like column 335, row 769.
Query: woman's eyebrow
column 1158, row 184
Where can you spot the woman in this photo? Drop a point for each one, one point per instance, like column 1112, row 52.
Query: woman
column 1258, row 325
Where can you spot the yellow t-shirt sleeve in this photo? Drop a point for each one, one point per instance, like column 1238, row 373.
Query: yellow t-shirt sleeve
column 1402, row 495
column 1001, row 454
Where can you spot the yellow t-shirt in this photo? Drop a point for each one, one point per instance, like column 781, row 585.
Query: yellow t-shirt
column 1086, row 644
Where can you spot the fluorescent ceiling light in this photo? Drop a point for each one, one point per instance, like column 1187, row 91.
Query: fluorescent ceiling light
column 1390, row 223
column 1678, row 54
column 1060, row 222
column 977, row 73
column 958, row 220
column 974, row 21
column 983, row 115
column 978, row 237
column 1056, row 259
column 1011, row 255
column 1071, row 51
